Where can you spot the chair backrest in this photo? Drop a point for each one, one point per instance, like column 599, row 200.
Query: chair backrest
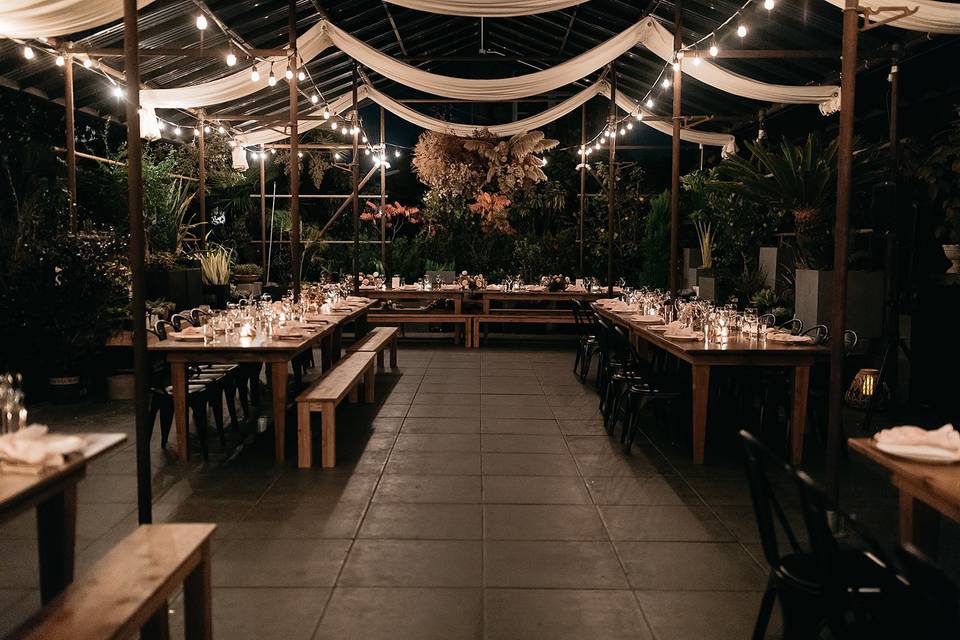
column 178, row 319
column 793, row 325
column 767, row 320
column 850, row 340
column 820, row 333
column 762, row 466
column 164, row 327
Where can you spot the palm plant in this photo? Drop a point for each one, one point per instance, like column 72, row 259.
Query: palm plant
column 798, row 179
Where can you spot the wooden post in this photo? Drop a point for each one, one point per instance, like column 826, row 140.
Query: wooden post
column 355, row 174
column 583, row 178
column 294, row 154
column 839, row 303
column 383, row 194
column 141, row 366
column 894, row 114
column 71, row 140
column 202, row 180
column 673, row 271
column 263, row 215
column 611, row 174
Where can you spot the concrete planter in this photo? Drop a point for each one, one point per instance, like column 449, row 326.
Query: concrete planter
column 707, row 282
column 691, row 261
column 121, row 386
column 814, row 290
column 774, row 261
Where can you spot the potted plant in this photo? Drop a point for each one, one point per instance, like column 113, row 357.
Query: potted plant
column 247, row 273
column 940, row 170
column 215, row 267
column 706, row 279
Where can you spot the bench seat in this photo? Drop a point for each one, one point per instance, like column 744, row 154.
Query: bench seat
column 521, row 316
column 438, row 317
column 323, row 395
column 376, row 341
column 127, row 591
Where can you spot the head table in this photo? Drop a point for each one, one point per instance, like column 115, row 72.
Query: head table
column 275, row 352
column 737, row 351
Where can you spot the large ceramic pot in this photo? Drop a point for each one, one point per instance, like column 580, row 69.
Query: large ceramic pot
column 952, row 251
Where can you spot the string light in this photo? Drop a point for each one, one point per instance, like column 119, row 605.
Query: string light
column 768, row 5
column 87, row 63
column 299, row 154
column 28, row 53
column 272, row 79
column 666, row 83
column 176, row 131
column 288, row 74
column 201, row 22
column 326, row 114
column 336, row 155
column 742, row 31
column 254, row 74
column 221, row 130
column 364, row 139
column 649, row 103
column 301, row 76
column 231, row 59
column 206, row 129
column 60, row 61
column 597, row 146
column 396, row 153
column 714, row 50
column 697, row 61
column 314, row 98
column 273, row 152
column 196, row 132
column 629, row 126
column 366, row 151
column 623, row 131
column 676, row 66
column 117, row 91
column 333, row 125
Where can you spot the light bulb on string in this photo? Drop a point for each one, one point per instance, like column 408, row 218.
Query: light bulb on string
column 364, row 139
column 714, row 50
column 254, row 74
column 676, row 66
column 666, row 83
column 60, row 61
column 271, row 79
column 301, row 76
column 742, row 31
column 597, row 146
column 273, row 152
column 314, row 98
column 206, row 129
column 221, row 130
column 606, row 134
column 697, row 61
column 196, row 132
column 299, row 154
column 336, row 155
column 117, row 91
column 623, row 131
column 232, row 143
column 28, row 52
column 768, row 5
column 366, row 151
column 231, row 59
column 629, row 126
column 326, row 113
column 176, row 131
column 639, row 115
column 333, row 125
column 288, row 74
column 201, row 22
column 87, row 63
column 649, row 103
column 396, row 153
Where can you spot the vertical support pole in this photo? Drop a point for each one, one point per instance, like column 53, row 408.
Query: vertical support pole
column 202, row 180
column 583, row 180
column 673, row 271
column 138, row 310
column 839, row 303
column 355, row 173
column 894, row 114
column 263, row 215
column 294, row 153
column 71, row 140
column 383, row 193
column 611, row 174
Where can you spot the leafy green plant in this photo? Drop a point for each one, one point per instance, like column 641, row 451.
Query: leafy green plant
column 705, row 238
column 215, row 265
column 247, row 269
column 655, row 244
column 940, row 171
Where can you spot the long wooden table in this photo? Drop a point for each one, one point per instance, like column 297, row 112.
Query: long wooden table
column 927, row 492
column 276, row 353
column 418, row 294
column 738, row 351
column 493, row 295
column 54, row 495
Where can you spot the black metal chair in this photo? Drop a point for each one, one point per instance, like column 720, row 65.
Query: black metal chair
column 588, row 345
column 820, row 333
column 794, row 326
column 934, row 596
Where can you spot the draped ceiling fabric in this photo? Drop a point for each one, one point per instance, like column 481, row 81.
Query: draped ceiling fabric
column 648, row 32
column 264, row 136
column 47, row 18
column 931, row 16
column 487, row 8
column 660, row 42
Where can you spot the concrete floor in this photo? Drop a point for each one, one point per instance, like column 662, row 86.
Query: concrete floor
column 478, row 498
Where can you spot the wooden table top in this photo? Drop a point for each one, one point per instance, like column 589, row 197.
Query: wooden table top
column 494, row 294
column 737, row 350
column 388, row 294
column 937, row 480
column 19, row 491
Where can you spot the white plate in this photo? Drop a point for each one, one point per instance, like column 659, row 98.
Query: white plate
column 187, row 338
column 647, row 319
column 920, row 453
column 674, row 336
column 657, row 327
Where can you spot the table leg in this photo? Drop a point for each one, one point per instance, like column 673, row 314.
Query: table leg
column 197, row 609
column 701, row 398
column 278, row 382
column 457, row 304
column 178, row 378
column 56, row 540
column 919, row 524
column 157, row 626
column 798, row 422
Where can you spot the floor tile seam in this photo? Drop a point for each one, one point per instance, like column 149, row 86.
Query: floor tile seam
column 366, row 509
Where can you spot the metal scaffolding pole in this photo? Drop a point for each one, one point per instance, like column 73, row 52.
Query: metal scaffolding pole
column 841, row 227
column 673, row 270
column 202, row 177
column 583, row 179
column 263, row 214
column 71, row 140
column 138, row 309
column 355, row 174
column 294, row 158
column 611, row 175
column 383, row 193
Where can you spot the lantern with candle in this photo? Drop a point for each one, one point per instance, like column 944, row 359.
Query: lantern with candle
column 864, row 385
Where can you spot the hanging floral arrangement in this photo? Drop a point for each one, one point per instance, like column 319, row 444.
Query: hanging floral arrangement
column 443, row 164
column 512, row 164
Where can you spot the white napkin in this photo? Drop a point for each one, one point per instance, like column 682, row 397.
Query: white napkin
column 946, row 437
column 32, row 449
column 780, row 336
column 494, row 287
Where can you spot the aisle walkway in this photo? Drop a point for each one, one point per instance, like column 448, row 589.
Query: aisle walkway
column 486, row 502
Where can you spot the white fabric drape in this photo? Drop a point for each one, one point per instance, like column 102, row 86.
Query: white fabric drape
column 239, row 157
column 496, row 89
column 236, row 85
column 487, row 8
column 660, row 42
column 340, row 105
column 931, row 16
column 500, row 130
column 39, row 18
column 149, row 125
column 725, row 140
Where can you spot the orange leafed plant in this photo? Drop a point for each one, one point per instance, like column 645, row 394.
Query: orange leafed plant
column 492, row 207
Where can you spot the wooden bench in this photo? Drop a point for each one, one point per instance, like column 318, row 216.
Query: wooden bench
column 426, row 317
column 376, row 342
column 324, row 395
column 127, row 591
column 521, row 316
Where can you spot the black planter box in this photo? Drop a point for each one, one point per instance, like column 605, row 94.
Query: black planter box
column 183, row 287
